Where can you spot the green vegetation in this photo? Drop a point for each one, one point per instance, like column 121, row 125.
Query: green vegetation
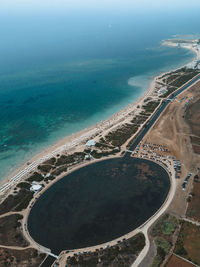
column 59, row 170
column 37, row 177
column 16, row 202
column 157, row 260
column 163, row 247
column 98, row 155
column 162, row 243
column 188, row 75
column 163, row 233
column 10, row 233
column 122, row 254
column 48, row 165
column 103, row 145
column 50, row 161
column 180, row 250
column 165, row 226
column 139, row 119
column 45, row 168
column 26, row 257
column 24, row 185
column 64, row 160
column 178, row 78
column 169, row 225
column 151, row 106
column 171, row 77
column 69, row 159
column 121, row 135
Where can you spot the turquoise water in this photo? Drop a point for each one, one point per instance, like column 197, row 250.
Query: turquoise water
column 60, row 74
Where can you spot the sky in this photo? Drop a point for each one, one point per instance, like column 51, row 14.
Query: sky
column 31, row 5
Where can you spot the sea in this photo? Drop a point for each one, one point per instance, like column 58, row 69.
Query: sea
column 61, row 71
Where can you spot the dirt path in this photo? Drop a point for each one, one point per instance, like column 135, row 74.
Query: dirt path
column 192, row 221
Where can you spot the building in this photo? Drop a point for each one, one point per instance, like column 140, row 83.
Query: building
column 35, row 187
column 90, row 143
column 162, row 91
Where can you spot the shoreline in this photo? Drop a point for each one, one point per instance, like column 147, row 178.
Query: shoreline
column 141, row 229
column 71, row 141
column 150, row 140
column 78, row 139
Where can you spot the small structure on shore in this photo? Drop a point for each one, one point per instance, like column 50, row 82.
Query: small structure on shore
column 90, row 143
column 88, row 157
column 35, row 187
column 162, row 91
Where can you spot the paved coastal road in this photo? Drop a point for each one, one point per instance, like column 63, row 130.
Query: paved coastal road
column 160, row 110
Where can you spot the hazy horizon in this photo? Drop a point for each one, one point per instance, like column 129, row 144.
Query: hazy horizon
column 65, row 65
column 62, row 5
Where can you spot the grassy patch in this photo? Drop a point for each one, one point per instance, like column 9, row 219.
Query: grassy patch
column 24, row 185
column 10, row 233
column 16, row 202
column 98, row 155
column 50, row 161
column 165, row 226
column 27, row 257
column 65, row 160
column 59, row 170
column 157, row 261
column 37, row 177
column 162, row 243
column 163, row 233
column 121, row 135
column 178, row 78
column 45, row 168
column 189, row 74
column 151, row 106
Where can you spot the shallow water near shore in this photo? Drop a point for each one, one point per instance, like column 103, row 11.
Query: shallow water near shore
column 56, row 85
column 89, row 207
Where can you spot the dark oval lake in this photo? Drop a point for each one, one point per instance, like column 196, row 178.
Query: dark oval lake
column 98, row 203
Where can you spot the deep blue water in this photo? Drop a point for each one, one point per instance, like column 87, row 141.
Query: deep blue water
column 62, row 72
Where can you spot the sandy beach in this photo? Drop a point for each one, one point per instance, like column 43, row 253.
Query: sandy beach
column 76, row 142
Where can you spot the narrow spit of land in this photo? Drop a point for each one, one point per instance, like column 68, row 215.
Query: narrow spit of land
column 112, row 139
